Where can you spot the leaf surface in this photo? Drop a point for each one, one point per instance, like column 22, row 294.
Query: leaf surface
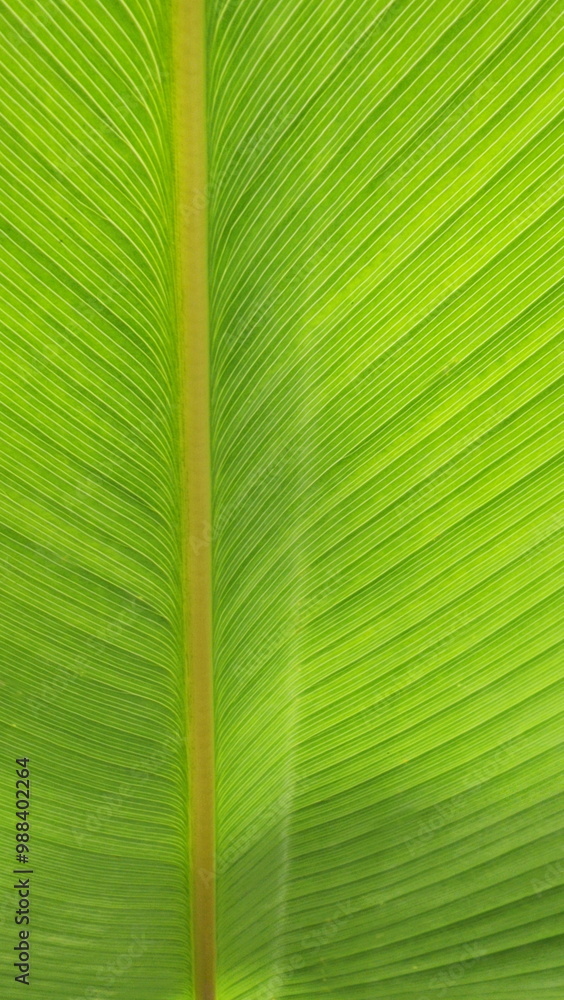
column 384, row 216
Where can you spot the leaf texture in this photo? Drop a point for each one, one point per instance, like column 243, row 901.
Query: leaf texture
column 386, row 264
column 384, row 204
column 91, row 646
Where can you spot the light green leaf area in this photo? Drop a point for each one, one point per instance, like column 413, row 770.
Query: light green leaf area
column 385, row 284
column 386, row 247
column 90, row 642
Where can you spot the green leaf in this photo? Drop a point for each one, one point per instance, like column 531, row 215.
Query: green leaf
column 91, row 641
column 381, row 223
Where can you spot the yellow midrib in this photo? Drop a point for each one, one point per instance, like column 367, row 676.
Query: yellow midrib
column 191, row 217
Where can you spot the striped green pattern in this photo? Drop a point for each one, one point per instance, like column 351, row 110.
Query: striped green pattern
column 386, row 246
column 90, row 644
column 385, row 220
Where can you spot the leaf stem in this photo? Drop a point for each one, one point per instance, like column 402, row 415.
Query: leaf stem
column 191, row 215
